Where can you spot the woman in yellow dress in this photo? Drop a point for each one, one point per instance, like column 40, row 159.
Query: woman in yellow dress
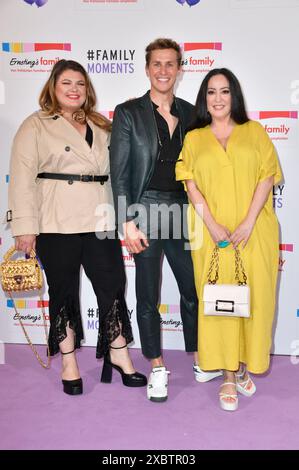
column 229, row 166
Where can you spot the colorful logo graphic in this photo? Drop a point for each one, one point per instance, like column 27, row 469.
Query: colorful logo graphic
column 166, row 308
column 277, row 130
column 34, row 57
column 22, row 47
column 200, row 56
column 27, row 304
column 284, row 247
column 193, row 46
column 168, row 323
column 39, row 3
column 35, row 319
column 191, row 3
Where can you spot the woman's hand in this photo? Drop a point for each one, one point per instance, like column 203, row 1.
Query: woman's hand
column 261, row 194
column 218, row 232
column 242, row 233
column 25, row 243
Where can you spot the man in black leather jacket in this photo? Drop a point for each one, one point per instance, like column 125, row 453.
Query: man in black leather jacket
column 147, row 137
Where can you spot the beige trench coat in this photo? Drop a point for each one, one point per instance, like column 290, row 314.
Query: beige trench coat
column 51, row 144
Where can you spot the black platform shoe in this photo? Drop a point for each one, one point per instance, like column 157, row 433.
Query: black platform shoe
column 72, row 387
column 130, row 380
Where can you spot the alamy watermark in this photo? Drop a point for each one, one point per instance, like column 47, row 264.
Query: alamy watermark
column 156, row 220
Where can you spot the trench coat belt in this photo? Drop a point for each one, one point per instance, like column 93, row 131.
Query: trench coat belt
column 71, row 178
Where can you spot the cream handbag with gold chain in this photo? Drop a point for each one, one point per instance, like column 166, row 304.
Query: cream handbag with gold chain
column 230, row 300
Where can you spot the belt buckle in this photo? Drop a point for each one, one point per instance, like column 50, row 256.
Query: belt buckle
column 86, row 178
column 9, row 216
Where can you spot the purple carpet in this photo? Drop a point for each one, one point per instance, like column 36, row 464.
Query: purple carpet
column 36, row 414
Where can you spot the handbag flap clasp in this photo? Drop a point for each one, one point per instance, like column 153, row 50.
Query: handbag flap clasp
column 226, row 293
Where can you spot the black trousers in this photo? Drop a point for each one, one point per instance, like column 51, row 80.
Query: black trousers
column 62, row 256
column 148, row 271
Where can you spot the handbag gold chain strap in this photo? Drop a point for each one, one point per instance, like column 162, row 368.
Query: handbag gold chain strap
column 214, row 264
column 35, row 282
column 46, row 365
column 239, row 266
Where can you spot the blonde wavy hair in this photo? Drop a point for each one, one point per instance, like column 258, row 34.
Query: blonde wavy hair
column 48, row 101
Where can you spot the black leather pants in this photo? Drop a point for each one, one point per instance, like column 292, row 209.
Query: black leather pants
column 148, row 273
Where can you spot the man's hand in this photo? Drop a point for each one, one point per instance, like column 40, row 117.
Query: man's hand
column 135, row 240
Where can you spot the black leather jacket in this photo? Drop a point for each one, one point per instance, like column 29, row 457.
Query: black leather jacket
column 134, row 149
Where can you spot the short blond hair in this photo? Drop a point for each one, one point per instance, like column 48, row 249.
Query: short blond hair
column 163, row 43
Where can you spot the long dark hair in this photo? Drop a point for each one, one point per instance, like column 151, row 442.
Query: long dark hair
column 238, row 111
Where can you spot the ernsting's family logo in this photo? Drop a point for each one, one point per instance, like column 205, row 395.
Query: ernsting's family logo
column 280, row 125
column 39, row 3
column 33, row 57
column 200, row 56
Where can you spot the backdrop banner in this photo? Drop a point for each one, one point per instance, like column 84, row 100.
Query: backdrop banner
column 256, row 39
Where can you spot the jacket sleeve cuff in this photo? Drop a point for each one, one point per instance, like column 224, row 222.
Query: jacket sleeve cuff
column 24, row 226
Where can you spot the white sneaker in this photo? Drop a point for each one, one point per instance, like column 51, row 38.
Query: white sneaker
column 204, row 376
column 157, row 384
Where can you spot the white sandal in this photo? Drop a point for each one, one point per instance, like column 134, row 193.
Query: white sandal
column 228, row 405
column 242, row 385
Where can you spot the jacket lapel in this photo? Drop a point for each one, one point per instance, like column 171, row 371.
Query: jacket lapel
column 147, row 116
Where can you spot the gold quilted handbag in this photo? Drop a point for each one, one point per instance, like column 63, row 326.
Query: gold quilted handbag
column 21, row 274
column 24, row 275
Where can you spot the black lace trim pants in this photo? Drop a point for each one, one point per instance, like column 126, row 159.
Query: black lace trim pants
column 62, row 256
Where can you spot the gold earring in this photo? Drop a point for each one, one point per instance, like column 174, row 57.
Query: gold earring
column 79, row 116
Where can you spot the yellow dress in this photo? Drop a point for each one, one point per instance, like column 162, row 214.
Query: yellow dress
column 227, row 179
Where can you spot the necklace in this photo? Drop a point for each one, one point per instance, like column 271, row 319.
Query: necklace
column 166, row 160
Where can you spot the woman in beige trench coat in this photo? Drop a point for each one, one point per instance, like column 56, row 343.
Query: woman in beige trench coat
column 59, row 193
